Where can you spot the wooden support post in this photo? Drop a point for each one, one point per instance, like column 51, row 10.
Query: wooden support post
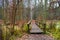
column 28, row 28
column 28, row 24
column 44, row 29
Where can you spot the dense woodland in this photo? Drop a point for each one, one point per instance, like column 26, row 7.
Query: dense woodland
column 40, row 9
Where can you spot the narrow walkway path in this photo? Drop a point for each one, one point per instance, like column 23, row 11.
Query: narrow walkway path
column 36, row 37
column 35, row 28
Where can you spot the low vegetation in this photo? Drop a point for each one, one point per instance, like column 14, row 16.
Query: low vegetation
column 52, row 29
column 10, row 33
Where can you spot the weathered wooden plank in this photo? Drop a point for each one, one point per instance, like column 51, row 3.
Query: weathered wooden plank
column 35, row 28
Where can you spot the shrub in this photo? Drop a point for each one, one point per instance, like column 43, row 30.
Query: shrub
column 17, row 31
column 56, row 31
column 25, row 28
column 5, row 33
column 12, row 37
column 56, row 35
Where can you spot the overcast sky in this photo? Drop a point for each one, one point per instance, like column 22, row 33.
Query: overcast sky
column 25, row 2
column 32, row 2
column 0, row 3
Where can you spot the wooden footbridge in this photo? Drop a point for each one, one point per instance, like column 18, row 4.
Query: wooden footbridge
column 35, row 28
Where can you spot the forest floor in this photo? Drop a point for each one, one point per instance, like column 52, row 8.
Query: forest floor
column 35, row 37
